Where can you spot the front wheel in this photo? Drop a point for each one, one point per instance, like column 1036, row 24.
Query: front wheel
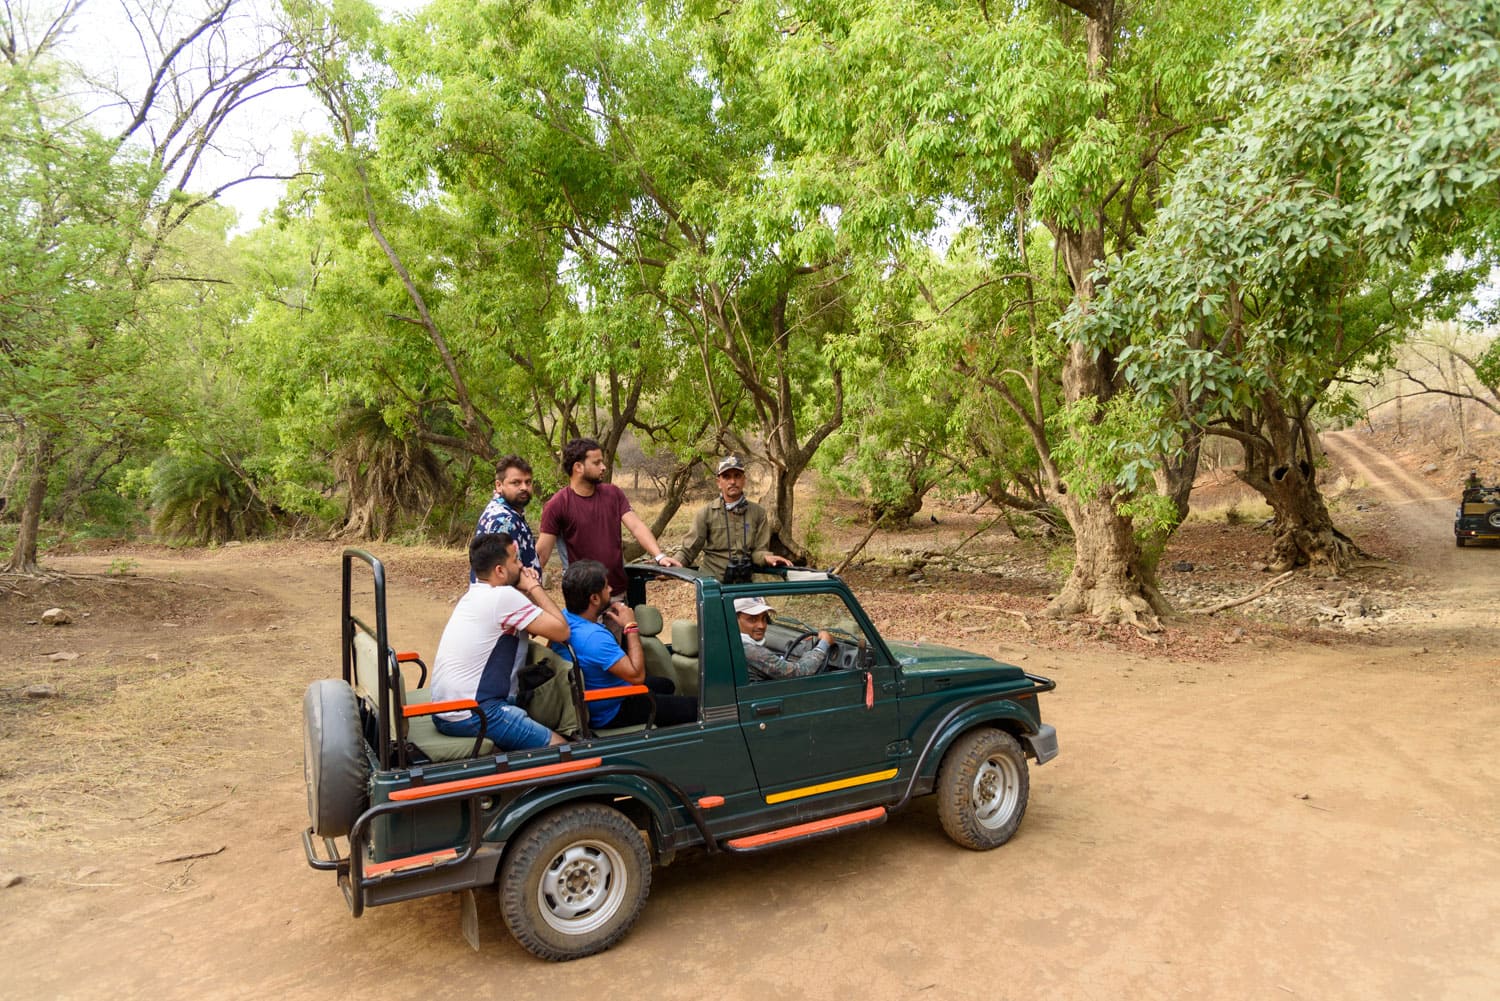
column 574, row 882
column 982, row 789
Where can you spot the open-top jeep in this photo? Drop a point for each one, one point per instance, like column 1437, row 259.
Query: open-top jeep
column 1478, row 515
column 569, row 834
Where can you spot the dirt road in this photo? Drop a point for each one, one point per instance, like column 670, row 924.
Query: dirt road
column 1297, row 821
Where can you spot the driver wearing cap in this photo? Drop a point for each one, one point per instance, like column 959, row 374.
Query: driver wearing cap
column 754, row 616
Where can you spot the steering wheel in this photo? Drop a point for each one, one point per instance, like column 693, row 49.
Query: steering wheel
column 791, row 648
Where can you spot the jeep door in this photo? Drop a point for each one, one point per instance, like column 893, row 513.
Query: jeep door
column 823, row 733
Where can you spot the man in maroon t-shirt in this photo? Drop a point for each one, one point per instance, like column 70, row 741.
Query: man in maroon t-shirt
column 587, row 515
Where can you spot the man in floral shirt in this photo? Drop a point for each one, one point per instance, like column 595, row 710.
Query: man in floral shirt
column 504, row 513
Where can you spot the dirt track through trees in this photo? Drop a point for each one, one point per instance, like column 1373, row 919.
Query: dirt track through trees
column 1293, row 821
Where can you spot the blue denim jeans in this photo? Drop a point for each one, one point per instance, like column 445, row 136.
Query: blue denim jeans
column 507, row 725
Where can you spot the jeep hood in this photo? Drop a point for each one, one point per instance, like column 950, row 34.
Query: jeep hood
column 921, row 661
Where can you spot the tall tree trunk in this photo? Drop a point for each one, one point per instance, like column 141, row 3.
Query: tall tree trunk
column 785, row 471
column 23, row 558
column 1279, row 465
column 1111, row 577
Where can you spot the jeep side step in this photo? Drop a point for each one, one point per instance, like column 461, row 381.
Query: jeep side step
column 426, row 860
column 807, row 832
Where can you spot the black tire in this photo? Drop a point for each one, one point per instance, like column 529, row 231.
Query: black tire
column 1458, row 540
column 334, row 762
column 574, row 881
column 982, row 789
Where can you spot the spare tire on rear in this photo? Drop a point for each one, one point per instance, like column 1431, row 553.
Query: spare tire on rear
column 334, row 762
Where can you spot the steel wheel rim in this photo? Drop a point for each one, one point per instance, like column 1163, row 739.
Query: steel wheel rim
column 582, row 887
column 996, row 791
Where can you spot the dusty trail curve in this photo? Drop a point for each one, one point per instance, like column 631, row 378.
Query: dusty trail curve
column 1426, row 508
column 1464, row 581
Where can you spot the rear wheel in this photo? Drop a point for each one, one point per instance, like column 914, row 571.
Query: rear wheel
column 982, row 789
column 574, row 881
column 1458, row 540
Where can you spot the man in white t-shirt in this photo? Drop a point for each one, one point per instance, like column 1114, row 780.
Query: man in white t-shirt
column 504, row 599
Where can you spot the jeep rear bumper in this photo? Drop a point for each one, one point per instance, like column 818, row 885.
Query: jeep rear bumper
column 1041, row 745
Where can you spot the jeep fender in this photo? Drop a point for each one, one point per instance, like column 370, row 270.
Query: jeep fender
column 603, row 789
column 1002, row 712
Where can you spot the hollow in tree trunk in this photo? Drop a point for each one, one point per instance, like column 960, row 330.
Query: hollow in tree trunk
column 1304, row 532
column 1280, row 466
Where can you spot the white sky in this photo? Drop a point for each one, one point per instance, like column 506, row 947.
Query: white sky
column 104, row 44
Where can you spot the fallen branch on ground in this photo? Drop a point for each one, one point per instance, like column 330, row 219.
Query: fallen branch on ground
column 1212, row 609
column 116, row 578
column 973, row 535
column 191, row 855
column 856, row 550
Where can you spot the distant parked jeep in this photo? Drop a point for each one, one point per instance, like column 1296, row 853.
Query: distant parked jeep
column 1478, row 515
column 569, row 834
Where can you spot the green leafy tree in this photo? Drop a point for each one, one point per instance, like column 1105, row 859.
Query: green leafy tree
column 89, row 203
column 637, row 164
column 1055, row 122
column 1307, row 239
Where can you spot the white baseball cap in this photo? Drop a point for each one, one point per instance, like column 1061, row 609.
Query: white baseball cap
column 751, row 606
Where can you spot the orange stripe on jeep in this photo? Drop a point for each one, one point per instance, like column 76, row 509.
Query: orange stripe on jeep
column 815, row 827
column 411, row 862
column 503, row 778
column 428, row 708
column 617, row 692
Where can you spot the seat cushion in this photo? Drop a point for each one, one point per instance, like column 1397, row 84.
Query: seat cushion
column 422, row 731
column 648, row 617
column 685, row 637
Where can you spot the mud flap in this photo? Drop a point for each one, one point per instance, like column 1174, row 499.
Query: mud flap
column 468, row 918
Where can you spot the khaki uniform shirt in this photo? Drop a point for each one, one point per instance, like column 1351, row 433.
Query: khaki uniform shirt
column 717, row 533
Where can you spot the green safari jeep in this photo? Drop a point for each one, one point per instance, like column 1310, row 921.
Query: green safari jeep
column 570, row 834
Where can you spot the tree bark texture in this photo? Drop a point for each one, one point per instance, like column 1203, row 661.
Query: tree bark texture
column 1110, row 580
column 1281, row 466
column 23, row 558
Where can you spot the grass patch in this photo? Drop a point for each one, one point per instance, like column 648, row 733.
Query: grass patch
column 118, row 752
column 1237, row 512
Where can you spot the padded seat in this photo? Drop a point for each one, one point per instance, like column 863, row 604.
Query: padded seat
column 419, row 730
column 685, row 655
column 422, row 731
column 659, row 662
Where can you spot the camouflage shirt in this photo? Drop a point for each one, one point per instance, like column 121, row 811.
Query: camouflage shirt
column 766, row 666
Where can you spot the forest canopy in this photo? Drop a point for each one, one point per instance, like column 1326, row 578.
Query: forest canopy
column 1036, row 254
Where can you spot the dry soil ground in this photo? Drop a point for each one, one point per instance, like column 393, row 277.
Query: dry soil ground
column 1244, row 807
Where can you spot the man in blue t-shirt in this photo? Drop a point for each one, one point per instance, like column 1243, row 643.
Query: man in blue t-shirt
column 605, row 664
